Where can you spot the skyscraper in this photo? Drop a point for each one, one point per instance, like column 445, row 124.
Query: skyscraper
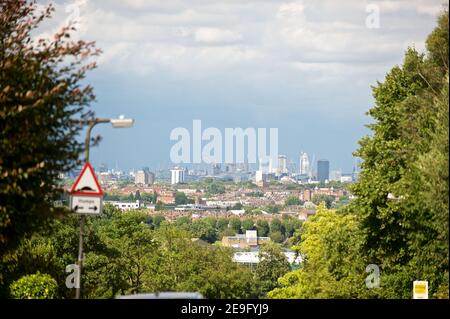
column 304, row 164
column 323, row 170
column 144, row 177
column 177, row 175
column 282, row 165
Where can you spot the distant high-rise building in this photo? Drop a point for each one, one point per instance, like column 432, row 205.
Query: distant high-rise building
column 323, row 170
column 103, row 168
column 264, row 165
column 282, row 164
column 260, row 176
column 335, row 175
column 177, row 175
column 304, row 164
column 216, row 169
column 144, row 177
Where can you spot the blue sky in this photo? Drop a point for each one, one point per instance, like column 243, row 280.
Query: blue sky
column 305, row 67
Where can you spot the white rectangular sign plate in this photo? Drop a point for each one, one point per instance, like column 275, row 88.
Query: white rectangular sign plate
column 86, row 204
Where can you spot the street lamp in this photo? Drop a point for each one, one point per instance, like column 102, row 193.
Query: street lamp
column 121, row 122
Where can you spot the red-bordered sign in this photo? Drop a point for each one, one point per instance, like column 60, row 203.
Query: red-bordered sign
column 86, row 183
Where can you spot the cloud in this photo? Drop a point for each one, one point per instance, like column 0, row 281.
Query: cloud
column 216, row 36
column 255, row 42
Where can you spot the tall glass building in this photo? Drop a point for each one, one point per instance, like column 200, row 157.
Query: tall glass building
column 323, row 170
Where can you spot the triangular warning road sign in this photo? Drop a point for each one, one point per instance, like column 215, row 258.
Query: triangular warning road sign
column 86, row 183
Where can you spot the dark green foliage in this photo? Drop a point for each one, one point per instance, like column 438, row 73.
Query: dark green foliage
column 181, row 199
column 402, row 189
column 273, row 265
column 262, row 226
column 319, row 198
column 41, row 97
column 293, row 200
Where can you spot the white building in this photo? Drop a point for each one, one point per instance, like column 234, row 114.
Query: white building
column 260, row 176
column 252, row 257
column 177, row 175
column 124, row 206
column 304, row 164
column 346, row 178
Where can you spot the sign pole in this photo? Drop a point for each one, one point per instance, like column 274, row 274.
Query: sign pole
column 91, row 124
column 80, row 256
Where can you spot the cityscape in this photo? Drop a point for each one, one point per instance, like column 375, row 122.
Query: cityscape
column 350, row 203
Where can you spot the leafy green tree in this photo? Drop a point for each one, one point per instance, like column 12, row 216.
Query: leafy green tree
column 277, row 226
column 331, row 263
column 273, row 209
column 181, row 198
column 222, row 224
column 37, row 286
column 293, row 200
column 319, row 198
column 393, row 189
column 291, row 225
column 41, row 99
column 235, row 225
column 215, row 188
column 226, row 232
column 202, row 229
column 262, row 226
column 272, row 265
column 248, row 224
column 276, row 236
column 181, row 221
column 237, row 206
column 159, row 206
column 158, row 219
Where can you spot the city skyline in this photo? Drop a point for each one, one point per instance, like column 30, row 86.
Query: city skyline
column 166, row 64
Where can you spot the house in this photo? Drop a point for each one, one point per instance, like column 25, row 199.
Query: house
column 247, row 240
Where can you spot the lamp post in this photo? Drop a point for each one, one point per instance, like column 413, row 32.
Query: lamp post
column 121, row 122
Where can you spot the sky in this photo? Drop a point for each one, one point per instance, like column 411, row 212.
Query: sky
column 304, row 67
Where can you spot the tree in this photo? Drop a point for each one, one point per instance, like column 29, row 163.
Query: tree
column 332, row 267
column 235, row 224
column 272, row 265
column 222, row 224
column 247, row 224
column 392, row 192
column 291, row 225
column 262, row 226
column 37, row 286
column 237, row 206
column 158, row 219
column 137, row 195
column 277, row 226
column 42, row 100
column 293, row 200
column 276, row 236
column 319, row 198
column 159, row 206
column 181, row 198
column 204, row 230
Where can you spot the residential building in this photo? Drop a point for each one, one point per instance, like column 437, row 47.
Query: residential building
column 247, row 240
